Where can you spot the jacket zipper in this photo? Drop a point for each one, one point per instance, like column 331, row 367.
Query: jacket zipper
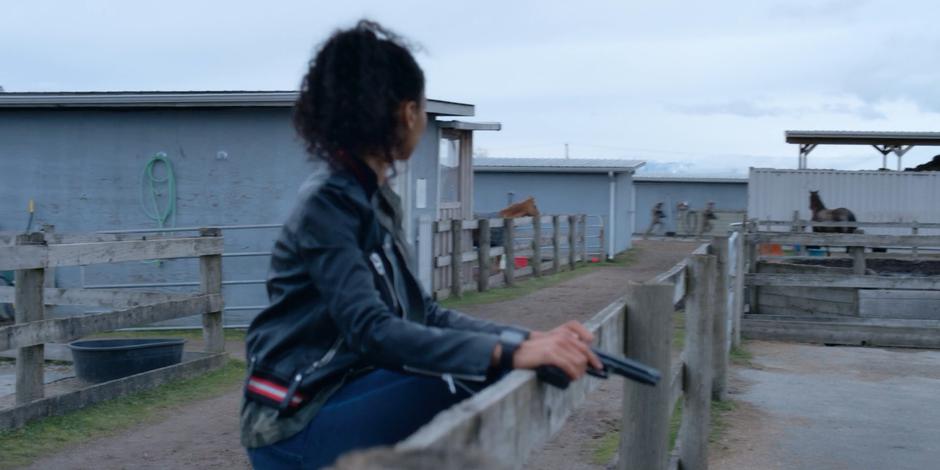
column 380, row 270
column 445, row 375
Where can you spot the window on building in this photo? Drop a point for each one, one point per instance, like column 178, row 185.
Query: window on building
column 449, row 156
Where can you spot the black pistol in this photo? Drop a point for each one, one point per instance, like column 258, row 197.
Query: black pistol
column 619, row 365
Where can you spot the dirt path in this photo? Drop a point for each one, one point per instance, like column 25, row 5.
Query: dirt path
column 806, row 406
column 205, row 434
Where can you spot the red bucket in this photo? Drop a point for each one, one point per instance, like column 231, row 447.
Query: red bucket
column 521, row 262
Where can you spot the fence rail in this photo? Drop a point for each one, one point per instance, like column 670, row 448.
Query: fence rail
column 514, row 417
column 787, row 301
column 487, row 250
column 32, row 254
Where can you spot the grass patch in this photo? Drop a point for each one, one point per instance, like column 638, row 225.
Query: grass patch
column 606, row 448
column 719, row 425
column 678, row 331
column 231, row 334
column 49, row 435
column 741, row 356
column 533, row 284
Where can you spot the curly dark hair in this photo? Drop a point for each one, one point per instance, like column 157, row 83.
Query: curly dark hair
column 350, row 96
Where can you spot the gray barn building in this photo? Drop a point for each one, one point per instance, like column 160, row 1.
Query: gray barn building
column 597, row 187
column 729, row 195
column 235, row 160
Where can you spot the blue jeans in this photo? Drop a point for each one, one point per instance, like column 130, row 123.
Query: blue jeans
column 379, row 408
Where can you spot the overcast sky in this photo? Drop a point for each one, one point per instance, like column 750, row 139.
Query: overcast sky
column 701, row 86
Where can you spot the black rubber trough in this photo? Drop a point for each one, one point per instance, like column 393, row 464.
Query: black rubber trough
column 101, row 360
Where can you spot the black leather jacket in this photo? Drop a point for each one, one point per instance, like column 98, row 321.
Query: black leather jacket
column 343, row 298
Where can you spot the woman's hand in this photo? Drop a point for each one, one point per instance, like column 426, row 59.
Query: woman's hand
column 566, row 347
column 571, row 327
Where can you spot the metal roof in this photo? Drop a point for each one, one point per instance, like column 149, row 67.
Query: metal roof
column 183, row 99
column 555, row 165
column 470, row 126
column 863, row 138
column 688, row 179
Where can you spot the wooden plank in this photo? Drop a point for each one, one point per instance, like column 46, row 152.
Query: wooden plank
column 810, row 223
column 582, row 236
column 801, row 304
column 496, row 223
column 509, row 235
column 210, row 283
column 913, row 335
column 721, row 344
column 536, row 259
column 572, row 244
column 846, row 239
column 909, row 304
column 696, row 411
column 521, row 221
column 456, row 269
column 80, row 254
column 862, row 282
column 115, row 298
column 517, row 415
column 469, row 224
column 738, row 304
column 17, row 417
column 556, row 244
column 483, row 255
column 60, row 330
column 858, row 259
column 644, row 437
column 822, row 294
column 29, row 307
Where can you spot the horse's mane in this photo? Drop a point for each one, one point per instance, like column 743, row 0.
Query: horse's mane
column 815, row 202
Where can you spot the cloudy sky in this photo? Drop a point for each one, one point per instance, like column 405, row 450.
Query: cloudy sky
column 699, row 86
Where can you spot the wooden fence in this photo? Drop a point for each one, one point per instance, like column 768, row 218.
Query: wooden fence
column 803, row 302
column 549, row 244
column 516, row 416
column 31, row 255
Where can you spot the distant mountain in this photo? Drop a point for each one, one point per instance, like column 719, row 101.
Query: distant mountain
column 653, row 168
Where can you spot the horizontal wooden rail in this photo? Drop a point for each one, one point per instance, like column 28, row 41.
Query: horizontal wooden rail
column 844, row 281
column 79, row 254
column 844, row 239
column 115, row 298
column 502, row 419
column 59, row 330
column 810, row 223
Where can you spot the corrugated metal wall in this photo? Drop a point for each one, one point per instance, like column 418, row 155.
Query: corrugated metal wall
column 874, row 196
column 728, row 197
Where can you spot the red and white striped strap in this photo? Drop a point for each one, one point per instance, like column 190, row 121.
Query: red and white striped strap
column 271, row 390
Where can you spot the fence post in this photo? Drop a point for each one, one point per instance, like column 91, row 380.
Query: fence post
column 601, row 247
column 693, row 433
column 483, row 254
column 797, row 227
column 644, row 435
column 739, row 274
column 28, row 300
column 456, row 258
column 425, row 251
column 858, row 259
column 582, row 235
column 536, row 259
column 915, row 228
column 210, row 282
column 572, row 245
column 752, row 253
column 509, row 251
column 721, row 324
column 556, row 244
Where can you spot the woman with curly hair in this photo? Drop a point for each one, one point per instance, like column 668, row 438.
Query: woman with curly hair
column 351, row 352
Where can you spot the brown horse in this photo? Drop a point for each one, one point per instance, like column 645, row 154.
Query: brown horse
column 821, row 214
column 524, row 208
